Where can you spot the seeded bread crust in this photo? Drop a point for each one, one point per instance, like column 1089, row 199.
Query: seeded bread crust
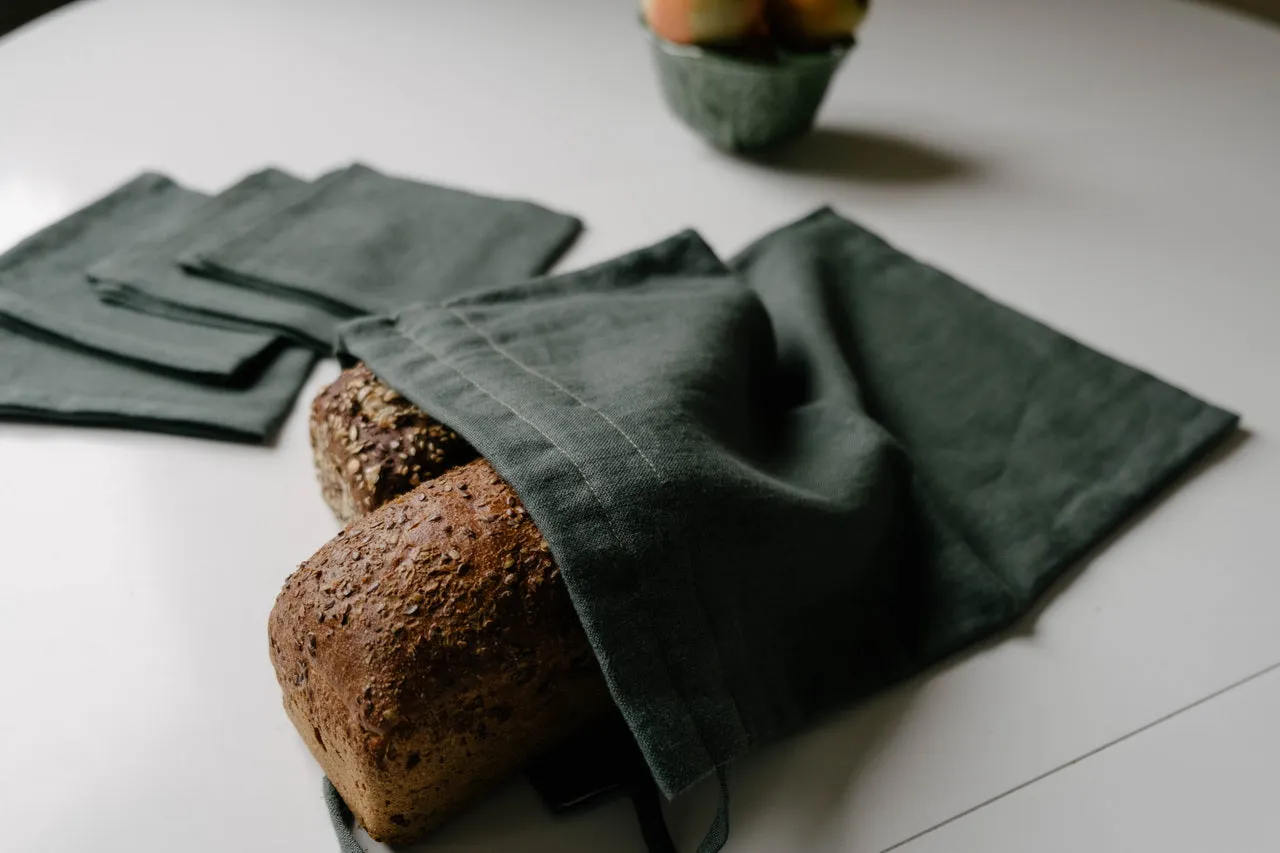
column 430, row 650
column 371, row 444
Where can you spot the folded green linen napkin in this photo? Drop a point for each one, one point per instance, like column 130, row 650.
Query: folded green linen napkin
column 45, row 288
column 362, row 242
column 777, row 488
column 43, row 381
column 146, row 275
column 48, row 378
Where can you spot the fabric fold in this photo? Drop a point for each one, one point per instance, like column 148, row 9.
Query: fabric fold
column 45, row 289
column 40, row 382
column 147, row 276
column 51, row 379
column 359, row 242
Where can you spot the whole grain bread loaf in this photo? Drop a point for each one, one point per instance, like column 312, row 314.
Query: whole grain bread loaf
column 371, row 444
column 430, row 650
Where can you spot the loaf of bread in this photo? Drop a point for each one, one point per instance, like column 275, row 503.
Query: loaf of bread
column 430, row 650
column 371, row 444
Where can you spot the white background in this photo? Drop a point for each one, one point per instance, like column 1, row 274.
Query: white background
column 1110, row 166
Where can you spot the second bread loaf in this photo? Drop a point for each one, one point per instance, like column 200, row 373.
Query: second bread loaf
column 371, row 444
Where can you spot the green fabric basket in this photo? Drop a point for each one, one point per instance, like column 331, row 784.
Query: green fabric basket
column 740, row 104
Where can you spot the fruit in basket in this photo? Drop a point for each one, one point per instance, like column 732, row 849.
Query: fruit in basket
column 704, row 21
column 815, row 22
column 757, row 71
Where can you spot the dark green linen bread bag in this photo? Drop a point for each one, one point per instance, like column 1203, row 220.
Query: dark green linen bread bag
column 777, row 486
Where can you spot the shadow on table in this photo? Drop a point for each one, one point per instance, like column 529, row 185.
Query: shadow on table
column 1262, row 10
column 865, row 155
column 15, row 13
column 514, row 819
column 798, row 788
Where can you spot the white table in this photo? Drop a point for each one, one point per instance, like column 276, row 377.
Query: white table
column 1111, row 166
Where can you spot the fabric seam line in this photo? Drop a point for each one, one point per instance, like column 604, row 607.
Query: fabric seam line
column 666, row 486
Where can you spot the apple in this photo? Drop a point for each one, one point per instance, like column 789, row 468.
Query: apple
column 816, row 21
column 703, row 21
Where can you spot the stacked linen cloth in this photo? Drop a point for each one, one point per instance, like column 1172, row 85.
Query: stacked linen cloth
column 158, row 307
column 276, row 252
